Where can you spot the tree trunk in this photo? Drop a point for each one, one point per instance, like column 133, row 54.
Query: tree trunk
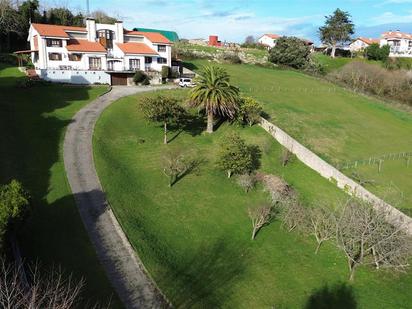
column 352, row 268
column 254, row 233
column 209, row 122
column 332, row 54
column 229, row 174
column 318, row 247
column 165, row 133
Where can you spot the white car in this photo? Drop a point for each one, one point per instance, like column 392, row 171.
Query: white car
column 186, row 82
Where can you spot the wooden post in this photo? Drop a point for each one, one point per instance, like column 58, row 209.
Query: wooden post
column 407, row 161
column 380, row 165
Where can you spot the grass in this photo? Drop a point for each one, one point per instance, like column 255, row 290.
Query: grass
column 337, row 124
column 259, row 53
column 332, row 64
column 195, row 238
column 33, row 122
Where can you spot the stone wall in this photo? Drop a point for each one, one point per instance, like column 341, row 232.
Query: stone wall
column 331, row 173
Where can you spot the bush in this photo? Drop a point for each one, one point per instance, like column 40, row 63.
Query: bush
column 247, row 182
column 398, row 63
column 8, row 59
column 25, row 82
column 249, row 111
column 232, row 58
column 139, row 77
column 360, row 76
column 375, row 52
column 146, row 81
column 290, row 51
column 165, row 72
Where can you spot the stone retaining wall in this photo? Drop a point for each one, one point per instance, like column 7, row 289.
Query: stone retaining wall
column 331, row 173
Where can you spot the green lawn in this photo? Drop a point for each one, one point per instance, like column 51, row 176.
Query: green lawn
column 337, row 124
column 33, row 122
column 332, row 64
column 195, row 237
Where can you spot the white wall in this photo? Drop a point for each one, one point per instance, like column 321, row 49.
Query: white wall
column 265, row 40
column 331, row 173
column 404, row 50
column 358, row 45
column 74, row 77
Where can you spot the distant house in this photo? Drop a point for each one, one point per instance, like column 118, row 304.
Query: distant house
column 399, row 42
column 97, row 53
column 214, row 41
column 359, row 44
column 269, row 40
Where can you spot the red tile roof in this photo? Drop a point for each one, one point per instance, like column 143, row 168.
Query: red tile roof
column 56, row 30
column 136, row 48
column 154, row 37
column 396, row 35
column 272, row 36
column 368, row 40
column 84, row 46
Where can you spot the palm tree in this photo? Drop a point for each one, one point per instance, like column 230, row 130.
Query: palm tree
column 215, row 94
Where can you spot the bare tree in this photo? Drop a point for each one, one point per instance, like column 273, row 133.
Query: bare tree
column 44, row 290
column 293, row 215
column 285, row 156
column 247, row 182
column 367, row 238
column 322, row 224
column 173, row 165
column 260, row 216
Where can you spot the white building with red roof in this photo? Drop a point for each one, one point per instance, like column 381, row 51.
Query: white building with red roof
column 399, row 42
column 360, row 43
column 97, row 53
column 269, row 39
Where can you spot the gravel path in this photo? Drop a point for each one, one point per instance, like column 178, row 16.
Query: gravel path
column 123, row 267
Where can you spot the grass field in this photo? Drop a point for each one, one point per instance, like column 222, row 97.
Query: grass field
column 195, row 237
column 337, row 124
column 332, row 64
column 33, row 122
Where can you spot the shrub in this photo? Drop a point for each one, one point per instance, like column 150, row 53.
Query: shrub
column 398, row 63
column 360, row 76
column 165, row 72
column 249, row 111
column 25, row 82
column 247, row 182
column 290, row 51
column 232, row 58
column 8, row 59
column 146, row 81
column 139, row 77
column 375, row 52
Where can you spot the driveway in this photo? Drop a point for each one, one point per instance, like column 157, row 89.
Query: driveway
column 122, row 265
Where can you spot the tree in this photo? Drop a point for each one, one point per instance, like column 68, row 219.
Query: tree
column 162, row 109
column 236, row 157
column 375, row 52
column 13, row 204
column 215, row 94
column 50, row 289
column 293, row 215
column 260, row 216
column 173, row 165
column 102, row 18
column 290, row 51
column 249, row 111
column 338, row 29
column 247, row 182
column 10, row 20
column 366, row 238
column 250, row 40
column 322, row 224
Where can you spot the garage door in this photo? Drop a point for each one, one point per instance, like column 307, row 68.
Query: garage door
column 119, row 79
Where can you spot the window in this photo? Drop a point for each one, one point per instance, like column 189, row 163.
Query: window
column 134, row 64
column 53, row 43
column 95, row 63
column 161, row 60
column 55, row 56
column 410, row 44
column 75, row 57
column 147, row 59
column 161, row 48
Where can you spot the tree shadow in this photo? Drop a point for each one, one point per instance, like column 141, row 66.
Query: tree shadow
column 338, row 296
column 33, row 121
column 190, row 66
column 193, row 166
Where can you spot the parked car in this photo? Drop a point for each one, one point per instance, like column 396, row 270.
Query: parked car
column 186, row 82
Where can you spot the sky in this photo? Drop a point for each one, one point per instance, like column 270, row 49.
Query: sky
column 233, row 20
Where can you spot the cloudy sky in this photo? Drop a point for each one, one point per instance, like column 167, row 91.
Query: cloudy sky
column 232, row 20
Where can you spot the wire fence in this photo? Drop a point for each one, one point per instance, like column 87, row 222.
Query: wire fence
column 406, row 156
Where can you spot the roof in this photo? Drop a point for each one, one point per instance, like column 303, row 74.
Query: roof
column 368, row 40
column 170, row 35
column 84, row 46
column 396, row 35
column 154, row 37
column 136, row 48
column 56, row 30
column 272, row 36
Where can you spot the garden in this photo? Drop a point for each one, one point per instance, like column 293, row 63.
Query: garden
column 191, row 215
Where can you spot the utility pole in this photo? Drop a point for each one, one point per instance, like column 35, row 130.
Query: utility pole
column 87, row 8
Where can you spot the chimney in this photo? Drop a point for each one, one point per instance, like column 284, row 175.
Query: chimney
column 91, row 29
column 119, row 31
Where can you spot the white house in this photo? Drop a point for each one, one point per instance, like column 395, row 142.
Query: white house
column 97, row 53
column 399, row 42
column 269, row 40
column 359, row 44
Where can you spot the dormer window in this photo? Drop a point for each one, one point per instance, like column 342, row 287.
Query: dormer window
column 106, row 37
column 161, row 48
column 54, row 43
